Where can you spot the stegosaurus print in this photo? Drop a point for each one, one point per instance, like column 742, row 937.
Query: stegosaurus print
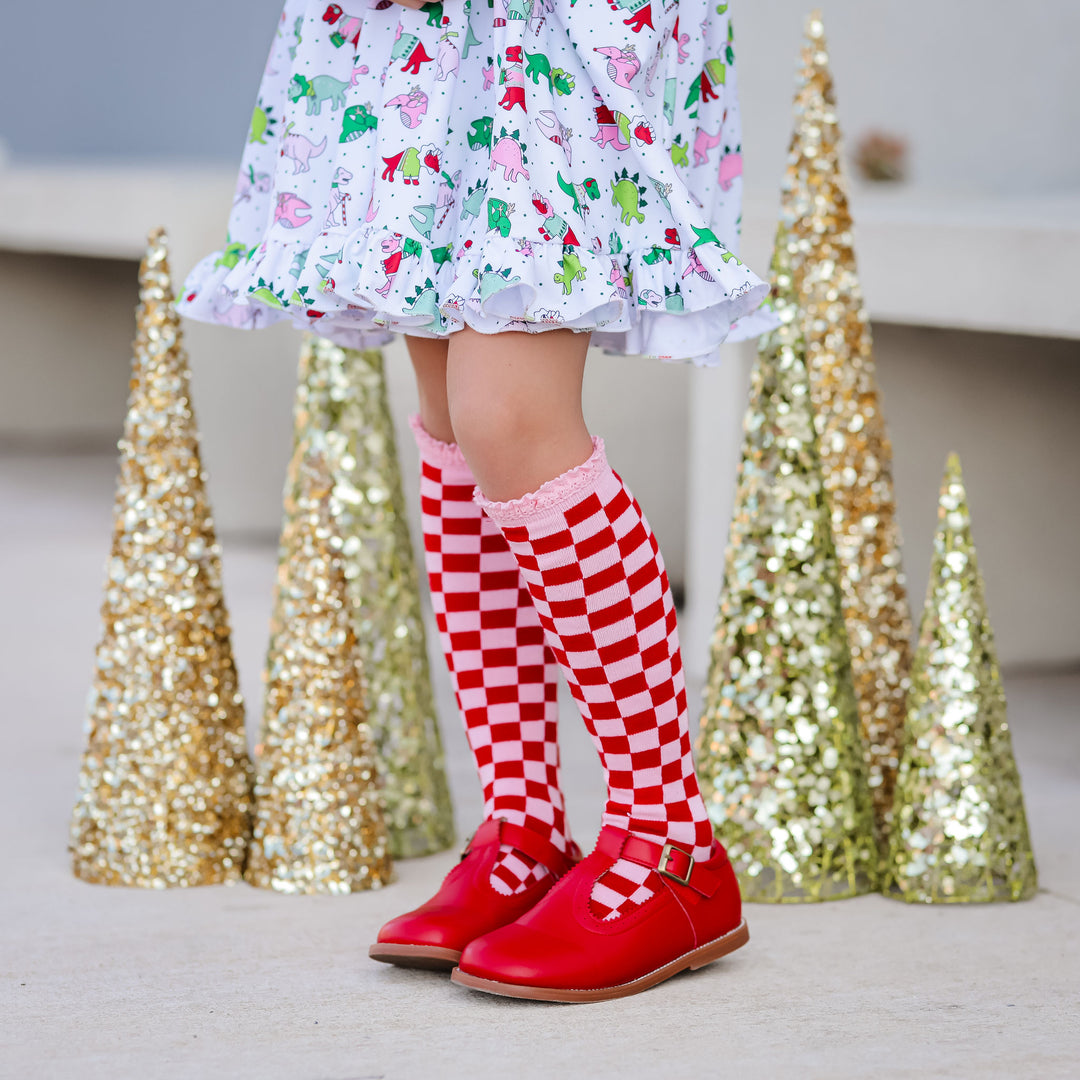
column 628, row 194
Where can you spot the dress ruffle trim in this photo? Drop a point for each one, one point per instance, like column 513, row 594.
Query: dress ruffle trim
column 359, row 288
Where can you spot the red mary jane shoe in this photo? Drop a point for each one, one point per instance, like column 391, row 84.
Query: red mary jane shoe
column 560, row 951
column 466, row 905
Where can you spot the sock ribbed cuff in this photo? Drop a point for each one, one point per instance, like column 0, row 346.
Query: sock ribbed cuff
column 443, row 455
column 552, row 498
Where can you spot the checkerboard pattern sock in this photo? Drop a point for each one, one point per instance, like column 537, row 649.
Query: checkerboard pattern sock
column 505, row 677
column 598, row 582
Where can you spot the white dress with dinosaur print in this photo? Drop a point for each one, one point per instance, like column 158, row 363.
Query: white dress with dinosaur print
column 506, row 164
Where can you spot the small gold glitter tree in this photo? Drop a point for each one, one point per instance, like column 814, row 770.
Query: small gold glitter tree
column 318, row 810
column 342, row 395
column 856, row 454
column 959, row 832
column 779, row 756
column 165, row 785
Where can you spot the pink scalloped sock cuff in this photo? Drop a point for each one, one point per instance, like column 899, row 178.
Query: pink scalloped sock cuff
column 443, row 455
column 553, row 498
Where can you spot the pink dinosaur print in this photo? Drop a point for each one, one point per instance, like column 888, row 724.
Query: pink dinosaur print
column 554, row 132
column 730, row 169
column 623, row 64
column 681, row 41
column 617, row 278
column 391, row 246
column 448, row 57
column 289, row 210
column 363, row 69
column 703, row 143
column 346, row 27
column 339, row 199
column 251, row 181
column 696, row 266
column 411, row 106
column 301, row 149
column 507, row 153
column 489, row 76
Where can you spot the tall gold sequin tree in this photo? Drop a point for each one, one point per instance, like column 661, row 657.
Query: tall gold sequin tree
column 779, row 755
column 855, row 450
column 342, row 397
column 318, row 809
column 960, row 832
column 165, row 785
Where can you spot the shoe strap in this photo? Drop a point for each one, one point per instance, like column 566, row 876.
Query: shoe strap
column 672, row 863
column 540, row 848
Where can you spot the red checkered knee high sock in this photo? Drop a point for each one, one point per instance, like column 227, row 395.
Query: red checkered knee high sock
column 598, row 582
column 504, row 675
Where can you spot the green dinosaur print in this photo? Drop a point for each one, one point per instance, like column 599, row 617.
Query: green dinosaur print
column 471, row 40
column 442, row 254
column 498, row 216
column 538, row 66
column 265, row 294
column 491, row 280
column 317, row 90
column 480, row 135
column 262, row 123
column 357, row 120
column 680, row 152
column 655, row 254
column 425, row 301
column 434, row 12
column 626, row 194
column 572, row 270
column 673, row 300
column 231, row 254
column 590, row 189
column 704, row 236
column 615, row 244
column 517, row 10
column 474, row 199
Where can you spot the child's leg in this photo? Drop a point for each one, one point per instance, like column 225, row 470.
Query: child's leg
column 596, row 577
column 504, row 676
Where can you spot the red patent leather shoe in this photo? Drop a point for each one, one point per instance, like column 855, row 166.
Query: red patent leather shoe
column 560, row 951
column 466, row 905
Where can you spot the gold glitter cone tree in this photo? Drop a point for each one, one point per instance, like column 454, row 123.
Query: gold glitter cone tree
column 318, row 810
column 342, row 396
column 854, row 445
column 164, row 790
column 960, row 832
column 780, row 756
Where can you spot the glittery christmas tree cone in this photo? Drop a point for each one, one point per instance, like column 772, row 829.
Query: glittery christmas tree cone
column 856, row 455
column 342, row 396
column 779, row 756
column 960, row 832
column 318, row 810
column 165, row 785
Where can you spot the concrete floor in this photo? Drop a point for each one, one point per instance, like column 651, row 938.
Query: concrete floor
column 238, row 983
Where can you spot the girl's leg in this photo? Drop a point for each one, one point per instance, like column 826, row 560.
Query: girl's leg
column 596, row 577
column 504, row 676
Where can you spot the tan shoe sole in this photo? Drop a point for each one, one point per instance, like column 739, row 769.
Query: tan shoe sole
column 699, row 957
column 430, row 957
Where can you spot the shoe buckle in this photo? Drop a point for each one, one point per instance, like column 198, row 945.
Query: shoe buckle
column 667, row 855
